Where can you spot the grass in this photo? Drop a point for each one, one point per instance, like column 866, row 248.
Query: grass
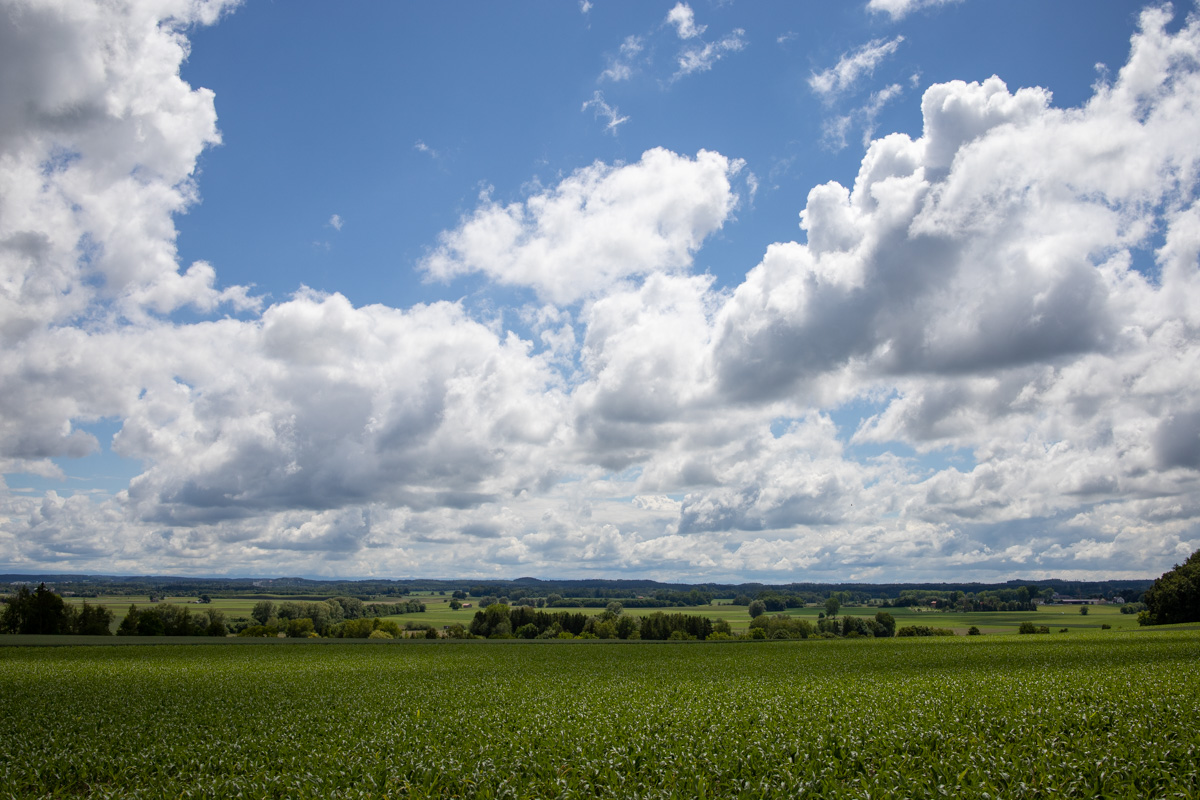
column 1004, row 716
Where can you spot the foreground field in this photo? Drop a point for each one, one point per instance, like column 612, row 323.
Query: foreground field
column 1082, row 716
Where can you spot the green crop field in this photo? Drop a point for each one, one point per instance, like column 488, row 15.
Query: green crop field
column 1094, row 714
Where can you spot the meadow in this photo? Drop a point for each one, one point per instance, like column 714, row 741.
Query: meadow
column 1082, row 715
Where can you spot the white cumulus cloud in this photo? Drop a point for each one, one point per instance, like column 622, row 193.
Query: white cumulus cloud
column 599, row 225
column 684, row 20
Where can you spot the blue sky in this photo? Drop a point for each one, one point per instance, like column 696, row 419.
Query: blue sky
column 887, row 290
column 324, row 111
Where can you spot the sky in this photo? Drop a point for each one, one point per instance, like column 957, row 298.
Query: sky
column 876, row 291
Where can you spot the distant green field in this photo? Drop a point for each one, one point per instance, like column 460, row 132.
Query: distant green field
column 439, row 614
column 1087, row 715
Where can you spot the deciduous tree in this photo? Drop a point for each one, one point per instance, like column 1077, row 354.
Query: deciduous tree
column 1175, row 596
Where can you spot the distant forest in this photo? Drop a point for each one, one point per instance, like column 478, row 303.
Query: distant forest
column 652, row 593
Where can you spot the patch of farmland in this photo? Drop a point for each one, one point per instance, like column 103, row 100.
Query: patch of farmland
column 1037, row 716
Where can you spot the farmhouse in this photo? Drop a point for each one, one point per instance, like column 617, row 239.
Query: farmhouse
column 1077, row 601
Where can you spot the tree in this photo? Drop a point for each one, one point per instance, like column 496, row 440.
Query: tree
column 615, row 608
column 774, row 602
column 40, row 611
column 1083, row 610
column 832, row 604
column 352, row 607
column 129, row 625
column 300, row 628
column 216, row 622
column 886, row 622
column 455, row 604
column 757, row 608
column 263, row 611
column 94, row 621
column 1175, row 596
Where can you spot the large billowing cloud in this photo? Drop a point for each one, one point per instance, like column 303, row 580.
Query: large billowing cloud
column 598, row 226
column 990, row 291
column 98, row 142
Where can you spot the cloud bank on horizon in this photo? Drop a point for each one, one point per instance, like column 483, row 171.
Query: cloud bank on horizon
column 980, row 360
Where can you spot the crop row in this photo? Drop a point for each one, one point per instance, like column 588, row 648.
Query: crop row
column 1093, row 716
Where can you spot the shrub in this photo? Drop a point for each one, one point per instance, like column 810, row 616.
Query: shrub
column 923, row 630
column 1027, row 627
column 457, row 631
column 974, row 631
column 259, row 631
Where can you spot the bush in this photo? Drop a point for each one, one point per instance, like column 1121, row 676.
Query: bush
column 923, row 630
column 1105, row 627
column 457, row 631
column 974, row 631
column 1027, row 627
column 259, row 631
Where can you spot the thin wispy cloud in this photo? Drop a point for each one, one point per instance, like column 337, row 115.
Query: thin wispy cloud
column 702, row 58
column 870, row 111
column 621, row 66
column 610, row 114
column 852, row 66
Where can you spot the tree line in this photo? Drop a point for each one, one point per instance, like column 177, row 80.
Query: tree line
column 500, row 621
column 42, row 611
